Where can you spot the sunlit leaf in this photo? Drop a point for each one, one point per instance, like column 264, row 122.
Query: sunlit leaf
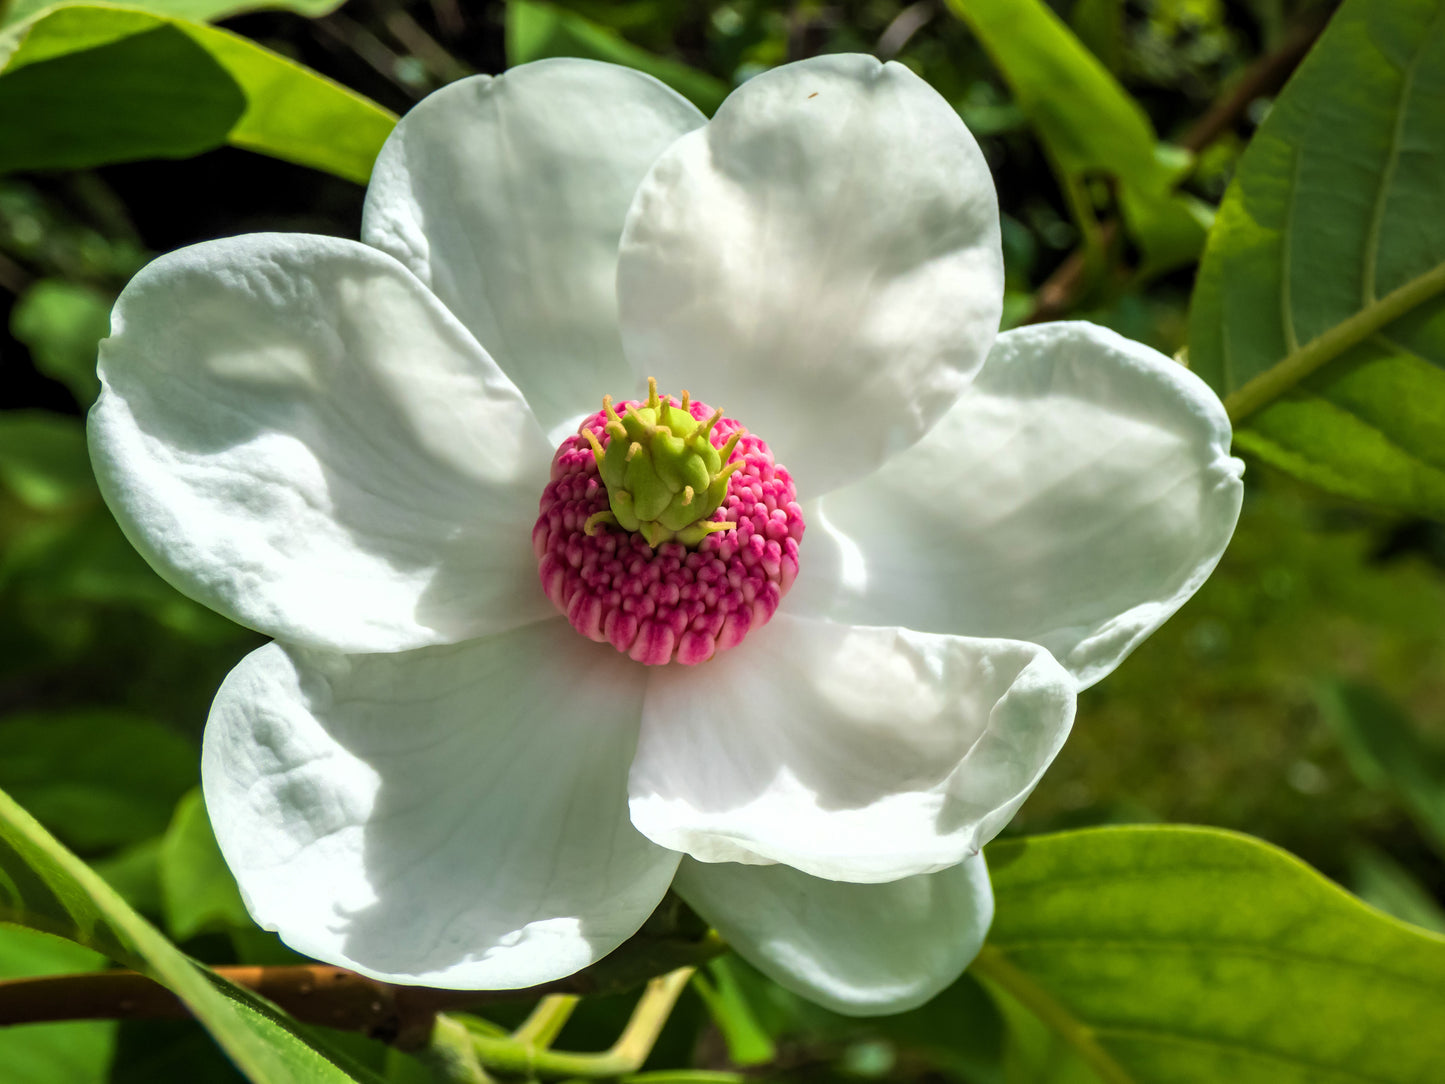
column 44, row 886
column 1184, row 955
column 1319, row 313
column 83, row 85
column 200, row 10
column 1089, row 126
column 536, row 31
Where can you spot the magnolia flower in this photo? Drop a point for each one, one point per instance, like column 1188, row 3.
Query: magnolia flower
column 430, row 776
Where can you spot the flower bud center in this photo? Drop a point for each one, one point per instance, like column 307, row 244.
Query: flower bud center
column 666, row 530
column 664, row 476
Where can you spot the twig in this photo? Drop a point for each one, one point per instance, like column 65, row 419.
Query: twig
column 321, row 994
column 13, row 277
column 897, row 34
column 1061, row 290
column 1265, row 76
column 626, row 1055
column 444, row 67
column 351, row 35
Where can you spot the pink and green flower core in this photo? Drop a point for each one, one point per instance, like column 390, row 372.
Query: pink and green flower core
column 666, row 530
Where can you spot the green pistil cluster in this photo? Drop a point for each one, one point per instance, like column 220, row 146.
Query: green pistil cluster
column 663, row 476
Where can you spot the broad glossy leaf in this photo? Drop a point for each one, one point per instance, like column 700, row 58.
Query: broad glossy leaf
column 44, row 886
column 82, row 85
column 200, row 10
column 535, row 31
column 1090, row 126
column 1319, row 312
column 1194, row 956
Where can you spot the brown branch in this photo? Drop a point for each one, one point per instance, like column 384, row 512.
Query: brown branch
column 321, row 994
column 1264, row 77
column 1060, row 292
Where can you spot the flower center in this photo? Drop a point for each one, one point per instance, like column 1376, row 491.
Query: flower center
column 667, row 530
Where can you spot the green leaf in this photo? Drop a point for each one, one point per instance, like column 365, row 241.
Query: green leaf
column 1100, row 26
column 1319, row 312
column 747, row 1041
column 536, row 31
column 96, row 778
column 62, row 322
column 43, row 460
column 197, row 889
column 44, row 886
column 1382, row 882
column 1090, row 127
column 1387, row 752
column 83, row 85
column 202, row 11
column 74, row 1052
column 1193, row 956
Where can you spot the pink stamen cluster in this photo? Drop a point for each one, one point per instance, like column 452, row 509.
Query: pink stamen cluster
column 672, row 603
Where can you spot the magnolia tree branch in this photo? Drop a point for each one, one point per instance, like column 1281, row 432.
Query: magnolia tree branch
column 333, row 996
column 1061, row 290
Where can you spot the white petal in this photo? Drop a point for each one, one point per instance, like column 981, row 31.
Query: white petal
column 863, row 950
column 1077, row 495
column 822, row 259
column 856, row 754
column 294, row 432
column 453, row 816
column 506, row 196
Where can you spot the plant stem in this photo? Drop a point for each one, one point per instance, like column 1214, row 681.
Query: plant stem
column 332, row 996
column 626, row 1055
column 547, row 1020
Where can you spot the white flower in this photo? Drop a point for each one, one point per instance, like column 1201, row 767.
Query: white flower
column 429, row 776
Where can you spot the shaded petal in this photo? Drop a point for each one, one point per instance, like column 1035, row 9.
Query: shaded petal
column 856, row 754
column 859, row 949
column 506, row 196
column 1076, row 496
column 453, row 816
column 292, row 431
column 822, row 260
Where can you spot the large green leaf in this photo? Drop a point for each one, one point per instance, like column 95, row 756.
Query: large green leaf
column 1184, row 955
column 73, row 1052
column 44, row 886
column 86, row 84
column 1319, row 312
column 200, row 10
column 1089, row 126
column 535, row 31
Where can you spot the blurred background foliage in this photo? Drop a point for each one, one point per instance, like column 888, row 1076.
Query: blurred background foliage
column 1299, row 697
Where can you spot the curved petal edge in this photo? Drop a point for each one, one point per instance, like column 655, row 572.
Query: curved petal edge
column 451, row 817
